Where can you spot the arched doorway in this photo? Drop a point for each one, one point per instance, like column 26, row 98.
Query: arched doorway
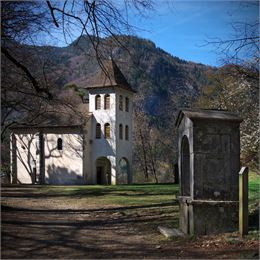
column 123, row 171
column 185, row 167
column 103, row 171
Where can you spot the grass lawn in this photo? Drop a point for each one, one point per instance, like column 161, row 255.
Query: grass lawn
column 132, row 195
column 139, row 194
column 130, row 200
column 123, row 195
column 121, row 221
column 254, row 192
column 143, row 195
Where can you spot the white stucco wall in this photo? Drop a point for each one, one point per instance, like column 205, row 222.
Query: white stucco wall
column 113, row 149
column 103, row 147
column 87, row 152
column 60, row 166
column 124, row 147
column 26, row 157
column 64, row 166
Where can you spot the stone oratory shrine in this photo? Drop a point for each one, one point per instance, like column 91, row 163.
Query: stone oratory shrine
column 209, row 164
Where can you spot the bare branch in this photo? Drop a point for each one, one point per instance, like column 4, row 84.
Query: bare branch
column 52, row 14
column 27, row 73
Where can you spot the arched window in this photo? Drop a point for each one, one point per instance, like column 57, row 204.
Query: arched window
column 120, row 131
column 126, row 132
column 97, row 102
column 98, row 131
column 59, row 144
column 107, row 101
column 120, row 103
column 107, row 130
column 123, row 172
column 126, row 104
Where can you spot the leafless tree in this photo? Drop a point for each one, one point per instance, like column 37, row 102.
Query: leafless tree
column 96, row 19
column 237, row 83
column 28, row 93
column 140, row 141
column 21, row 21
column 231, row 91
column 241, row 47
column 25, row 79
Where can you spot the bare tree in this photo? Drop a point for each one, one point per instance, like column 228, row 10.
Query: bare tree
column 96, row 19
column 237, row 83
column 29, row 95
column 140, row 141
column 241, row 47
column 231, row 91
column 148, row 145
column 26, row 80
column 21, row 21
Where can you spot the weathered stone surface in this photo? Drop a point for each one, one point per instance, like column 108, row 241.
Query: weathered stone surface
column 215, row 218
column 209, row 171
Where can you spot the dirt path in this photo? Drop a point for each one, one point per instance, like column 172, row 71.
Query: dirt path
column 38, row 226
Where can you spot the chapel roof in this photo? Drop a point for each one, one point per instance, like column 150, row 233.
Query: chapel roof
column 53, row 122
column 110, row 76
column 45, row 126
column 207, row 114
column 25, row 129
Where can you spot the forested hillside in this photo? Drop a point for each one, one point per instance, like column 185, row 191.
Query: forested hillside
column 154, row 73
column 164, row 84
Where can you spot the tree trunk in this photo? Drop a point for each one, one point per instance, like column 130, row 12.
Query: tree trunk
column 153, row 160
column 144, row 154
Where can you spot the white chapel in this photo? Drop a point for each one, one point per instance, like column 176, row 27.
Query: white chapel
column 98, row 151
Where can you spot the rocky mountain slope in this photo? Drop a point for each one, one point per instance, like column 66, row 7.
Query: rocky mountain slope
column 163, row 81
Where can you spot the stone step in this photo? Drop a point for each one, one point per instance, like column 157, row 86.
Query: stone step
column 170, row 232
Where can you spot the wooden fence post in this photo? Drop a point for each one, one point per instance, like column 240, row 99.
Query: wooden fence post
column 243, row 201
column 13, row 156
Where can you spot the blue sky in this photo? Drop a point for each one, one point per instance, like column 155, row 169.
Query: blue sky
column 183, row 27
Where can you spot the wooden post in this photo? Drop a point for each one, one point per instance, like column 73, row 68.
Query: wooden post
column 243, row 201
column 13, row 159
column 42, row 158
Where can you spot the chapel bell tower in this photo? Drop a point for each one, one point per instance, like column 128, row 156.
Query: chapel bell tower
column 111, row 105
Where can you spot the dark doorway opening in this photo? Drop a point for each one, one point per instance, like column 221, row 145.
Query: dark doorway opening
column 99, row 175
column 103, row 171
column 185, row 167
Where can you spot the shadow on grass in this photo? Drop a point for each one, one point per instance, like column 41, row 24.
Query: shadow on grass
column 61, row 191
column 90, row 224
column 85, row 211
column 57, row 232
